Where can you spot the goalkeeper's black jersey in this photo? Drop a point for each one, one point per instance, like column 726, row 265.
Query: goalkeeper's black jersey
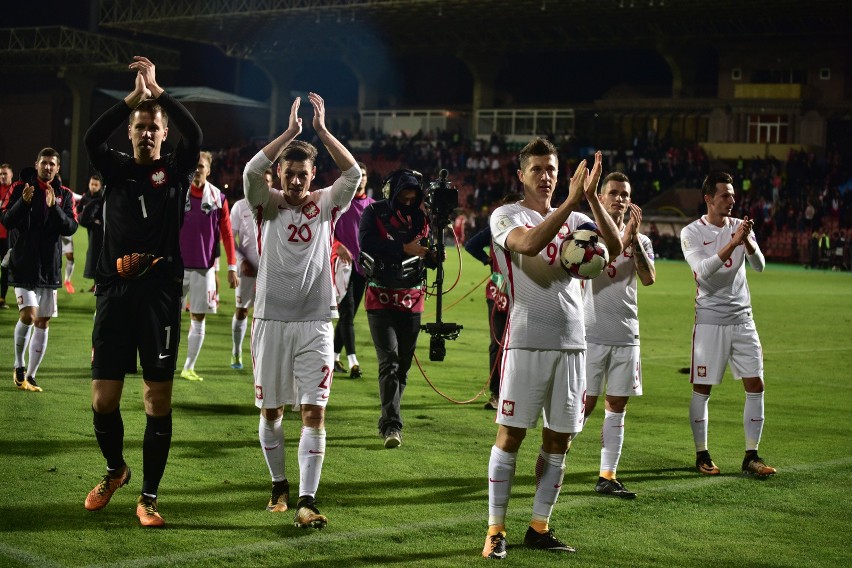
column 143, row 204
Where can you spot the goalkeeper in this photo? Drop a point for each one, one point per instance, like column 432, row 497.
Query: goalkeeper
column 138, row 282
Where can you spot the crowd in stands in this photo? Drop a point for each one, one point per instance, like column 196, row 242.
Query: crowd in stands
column 794, row 203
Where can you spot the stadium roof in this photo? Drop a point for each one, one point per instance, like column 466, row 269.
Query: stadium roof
column 57, row 47
column 262, row 29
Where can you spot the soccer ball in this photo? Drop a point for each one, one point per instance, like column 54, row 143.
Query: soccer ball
column 583, row 256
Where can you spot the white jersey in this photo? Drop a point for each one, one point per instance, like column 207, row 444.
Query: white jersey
column 545, row 303
column 244, row 226
column 294, row 281
column 723, row 296
column 611, row 309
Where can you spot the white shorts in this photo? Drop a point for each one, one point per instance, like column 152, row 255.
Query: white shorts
column 43, row 299
column 547, row 382
column 67, row 245
column 244, row 292
column 200, row 285
column 293, row 362
column 714, row 346
column 617, row 367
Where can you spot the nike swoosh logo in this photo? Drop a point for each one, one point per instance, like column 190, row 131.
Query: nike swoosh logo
column 325, row 396
column 164, row 356
column 757, row 419
column 313, row 452
column 497, row 480
column 708, row 242
column 702, row 420
column 557, row 486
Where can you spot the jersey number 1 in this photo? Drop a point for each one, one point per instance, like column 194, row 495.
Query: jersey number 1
column 144, row 210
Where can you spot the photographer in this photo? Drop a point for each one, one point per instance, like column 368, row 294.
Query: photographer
column 392, row 234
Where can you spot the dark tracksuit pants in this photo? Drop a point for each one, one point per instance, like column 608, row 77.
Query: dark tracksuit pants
column 395, row 338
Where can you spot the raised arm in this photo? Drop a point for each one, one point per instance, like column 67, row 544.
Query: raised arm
column 254, row 182
column 190, row 144
column 341, row 156
column 644, row 266
column 344, row 187
column 605, row 224
column 530, row 242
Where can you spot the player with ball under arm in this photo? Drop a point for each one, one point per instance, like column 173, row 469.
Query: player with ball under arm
column 543, row 362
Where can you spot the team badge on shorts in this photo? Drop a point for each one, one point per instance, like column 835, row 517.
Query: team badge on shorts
column 158, row 177
column 310, row 210
column 702, row 371
column 508, row 408
column 258, row 392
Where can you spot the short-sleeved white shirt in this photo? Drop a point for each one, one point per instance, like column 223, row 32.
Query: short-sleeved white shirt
column 294, row 280
column 610, row 300
column 545, row 303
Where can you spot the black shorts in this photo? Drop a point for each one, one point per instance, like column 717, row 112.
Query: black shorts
column 144, row 316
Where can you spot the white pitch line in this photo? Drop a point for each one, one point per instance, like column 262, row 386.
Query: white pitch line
column 26, row 558
column 334, row 537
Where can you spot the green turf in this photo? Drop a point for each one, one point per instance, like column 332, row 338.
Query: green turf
column 426, row 502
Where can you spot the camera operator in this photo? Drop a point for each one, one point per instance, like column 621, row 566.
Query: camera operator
column 393, row 234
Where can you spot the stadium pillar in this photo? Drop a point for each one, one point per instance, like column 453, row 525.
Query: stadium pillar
column 82, row 85
column 684, row 66
column 378, row 85
column 484, row 72
column 280, row 97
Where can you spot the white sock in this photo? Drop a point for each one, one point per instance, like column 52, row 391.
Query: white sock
column 549, row 471
column 271, row 436
column 194, row 342
column 311, row 456
column 353, row 360
column 612, row 440
column 501, row 473
column 69, row 269
column 238, row 333
column 753, row 419
column 38, row 345
column 22, row 336
column 698, row 419
column 337, row 357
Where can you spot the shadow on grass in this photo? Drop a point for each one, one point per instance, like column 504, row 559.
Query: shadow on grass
column 201, row 408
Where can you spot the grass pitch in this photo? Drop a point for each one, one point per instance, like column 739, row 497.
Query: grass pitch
column 426, row 502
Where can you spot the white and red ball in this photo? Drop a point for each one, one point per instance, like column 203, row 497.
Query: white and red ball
column 583, row 256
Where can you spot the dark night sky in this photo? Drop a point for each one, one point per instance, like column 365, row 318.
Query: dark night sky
column 427, row 81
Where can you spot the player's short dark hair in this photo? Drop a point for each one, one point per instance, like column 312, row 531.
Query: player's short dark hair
column 614, row 176
column 708, row 188
column 536, row 147
column 49, row 153
column 299, row 151
column 362, row 165
column 152, row 107
column 97, row 177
